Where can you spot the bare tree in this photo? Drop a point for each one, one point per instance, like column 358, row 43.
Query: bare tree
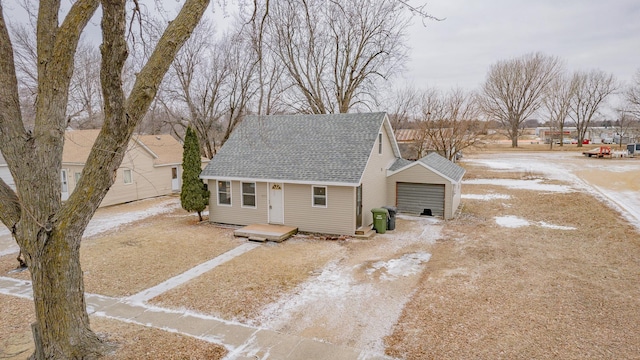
column 450, row 122
column 47, row 230
column 513, row 89
column 632, row 95
column 557, row 101
column 402, row 106
column 336, row 51
column 200, row 72
column 591, row 89
column 270, row 70
column 85, row 98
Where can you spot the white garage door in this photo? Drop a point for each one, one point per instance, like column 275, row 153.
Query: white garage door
column 415, row 198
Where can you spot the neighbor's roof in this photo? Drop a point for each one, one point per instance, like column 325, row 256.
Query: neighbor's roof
column 77, row 145
column 328, row 148
column 407, row 135
column 443, row 166
column 164, row 149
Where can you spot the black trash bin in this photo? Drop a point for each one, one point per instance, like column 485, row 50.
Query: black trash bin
column 391, row 220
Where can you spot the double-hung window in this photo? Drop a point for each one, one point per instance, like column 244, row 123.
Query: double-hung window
column 224, row 192
column 319, row 195
column 249, row 194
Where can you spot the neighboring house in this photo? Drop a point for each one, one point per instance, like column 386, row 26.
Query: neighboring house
column 321, row 173
column 152, row 166
column 5, row 174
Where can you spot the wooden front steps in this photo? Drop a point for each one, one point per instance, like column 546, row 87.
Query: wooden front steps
column 364, row 232
column 264, row 232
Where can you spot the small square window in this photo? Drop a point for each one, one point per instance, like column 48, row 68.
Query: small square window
column 128, row 176
column 224, row 193
column 249, row 194
column 320, row 196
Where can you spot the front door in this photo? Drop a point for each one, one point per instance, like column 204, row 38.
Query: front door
column 175, row 179
column 65, row 184
column 276, row 204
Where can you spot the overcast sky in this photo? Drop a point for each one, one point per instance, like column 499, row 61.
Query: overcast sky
column 458, row 51
column 586, row 34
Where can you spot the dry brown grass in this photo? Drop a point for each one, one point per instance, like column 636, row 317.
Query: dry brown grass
column 239, row 288
column 132, row 341
column 146, row 253
column 528, row 292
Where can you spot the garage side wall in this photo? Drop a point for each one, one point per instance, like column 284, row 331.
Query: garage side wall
column 421, row 175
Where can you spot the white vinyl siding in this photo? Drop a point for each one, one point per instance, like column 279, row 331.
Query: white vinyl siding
column 224, row 193
column 374, row 180
column 319, row 196
column 338, row 217
column 237, row 214
column 249, row 195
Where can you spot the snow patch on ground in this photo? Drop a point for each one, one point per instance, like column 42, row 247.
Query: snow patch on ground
column 336, row 304
column 486, row 197
column 511, row 221
column 407, row 265
column 534, row 185
column 556, row 227
column 105, row 222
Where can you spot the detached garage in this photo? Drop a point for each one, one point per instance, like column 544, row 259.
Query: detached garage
column 430, row 185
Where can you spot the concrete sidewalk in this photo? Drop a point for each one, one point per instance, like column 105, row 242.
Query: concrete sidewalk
column 242, row 341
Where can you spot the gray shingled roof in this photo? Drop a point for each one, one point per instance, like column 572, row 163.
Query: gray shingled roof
column 399, row 164
column 443, row 166
column 330, row 148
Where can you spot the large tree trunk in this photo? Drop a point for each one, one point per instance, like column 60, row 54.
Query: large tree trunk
column 62, row 329
column 48, row 231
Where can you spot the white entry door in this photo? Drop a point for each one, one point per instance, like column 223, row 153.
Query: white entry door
column 175, row 179
column 276, row 204
column 65, row 184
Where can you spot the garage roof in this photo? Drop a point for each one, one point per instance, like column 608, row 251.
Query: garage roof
column 433, row 162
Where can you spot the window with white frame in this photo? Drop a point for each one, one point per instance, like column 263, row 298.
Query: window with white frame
column 76, row 177
column 128, row 176
column 224, row 192
column 249, row 194
column 319, row 194
column 380, row 143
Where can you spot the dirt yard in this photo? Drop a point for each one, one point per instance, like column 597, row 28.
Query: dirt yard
column 527, row 274
column 535, row 266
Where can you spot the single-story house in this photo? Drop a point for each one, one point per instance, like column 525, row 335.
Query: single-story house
column 323, row 173
column 152, row 166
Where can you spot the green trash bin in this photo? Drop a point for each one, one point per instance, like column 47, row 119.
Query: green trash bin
column 380, row 216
